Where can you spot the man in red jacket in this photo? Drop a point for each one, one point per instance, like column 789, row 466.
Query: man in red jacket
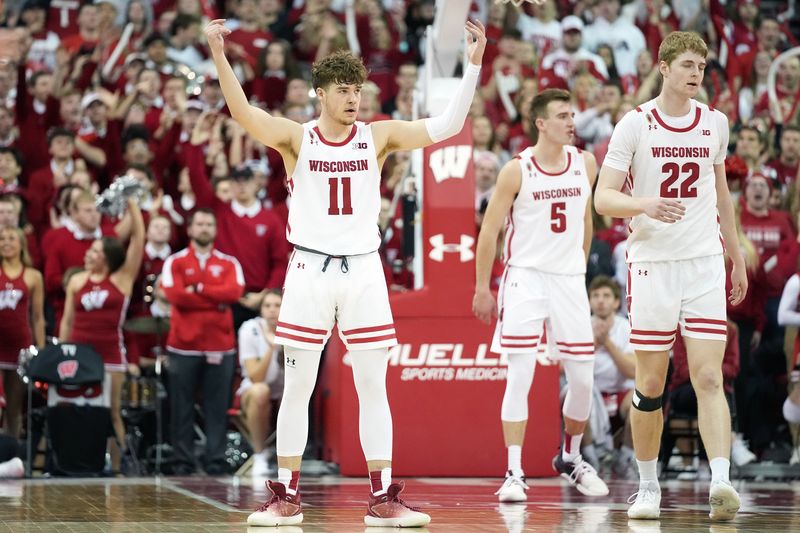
column 247, row 230
column 201, row 283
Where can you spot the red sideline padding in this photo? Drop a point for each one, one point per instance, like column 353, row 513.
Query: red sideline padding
column 445, row 387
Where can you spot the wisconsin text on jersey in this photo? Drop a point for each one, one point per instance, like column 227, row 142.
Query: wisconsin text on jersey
column 681, row 151
column 338, row 166
column 563, row 192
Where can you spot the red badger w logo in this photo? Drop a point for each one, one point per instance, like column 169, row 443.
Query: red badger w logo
column 67, row 369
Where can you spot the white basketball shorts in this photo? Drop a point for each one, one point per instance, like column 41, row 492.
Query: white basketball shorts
column 529, row 299
column 665, row 294
column 313, row 301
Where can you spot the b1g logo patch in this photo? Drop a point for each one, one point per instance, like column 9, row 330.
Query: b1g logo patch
column 359, row 146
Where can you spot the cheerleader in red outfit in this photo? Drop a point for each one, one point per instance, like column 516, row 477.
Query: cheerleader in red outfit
column 21, row 318
column 96, row 304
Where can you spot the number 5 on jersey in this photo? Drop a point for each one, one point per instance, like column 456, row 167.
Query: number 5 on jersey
column 333, row 190
column 558, row 217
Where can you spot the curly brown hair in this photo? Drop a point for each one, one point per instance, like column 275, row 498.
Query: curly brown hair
column 340, row 68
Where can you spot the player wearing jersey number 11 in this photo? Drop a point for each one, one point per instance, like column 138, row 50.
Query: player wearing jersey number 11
column 335, row 275
column 670, row 154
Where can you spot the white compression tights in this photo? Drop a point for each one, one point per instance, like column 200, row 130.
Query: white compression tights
column 375, row 419
column 521, row 368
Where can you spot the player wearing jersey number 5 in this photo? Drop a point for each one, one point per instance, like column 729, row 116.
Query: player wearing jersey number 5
column 544, row 195
column 670, row 153
column 335, row 274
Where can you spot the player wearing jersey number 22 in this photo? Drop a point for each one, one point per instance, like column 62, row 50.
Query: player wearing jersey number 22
column 335, row 274
column 670, row 152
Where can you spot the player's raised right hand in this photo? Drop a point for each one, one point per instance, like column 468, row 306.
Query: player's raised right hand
column 216, row 33
column 663, row 209
column 484, row 307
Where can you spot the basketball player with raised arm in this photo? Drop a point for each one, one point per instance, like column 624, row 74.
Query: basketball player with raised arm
column 670, row 153
column 544, row 195
column 335, row 273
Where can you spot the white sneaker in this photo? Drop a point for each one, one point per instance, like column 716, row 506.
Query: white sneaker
column 513, row 489
column 740, row 453
column 724, row 501
column 645, row 504
column 12, row 468
column 795, row 457
column 260, row 466
column 581, row 475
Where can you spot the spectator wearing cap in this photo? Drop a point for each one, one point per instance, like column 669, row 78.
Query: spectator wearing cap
column 88, row 35
column 570, row 59
column 624, row 38
column 250, row 39
column 103, row 133
column 44, row 182
column 775, row 241
column 246, row 230
column 42, row 53
column 37, row 111
column 184, row 46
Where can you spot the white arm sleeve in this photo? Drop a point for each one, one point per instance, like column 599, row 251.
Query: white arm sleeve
column 787, row 314
column 451, row 120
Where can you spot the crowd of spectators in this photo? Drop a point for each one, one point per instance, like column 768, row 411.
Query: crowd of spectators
column 93, row 90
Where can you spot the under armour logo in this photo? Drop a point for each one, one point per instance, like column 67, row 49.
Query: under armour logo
column 301, row 265
column 290, row 362
column 642, row 272
column 464, row 248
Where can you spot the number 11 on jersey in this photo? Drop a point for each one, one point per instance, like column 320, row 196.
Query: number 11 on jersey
column 333, row 191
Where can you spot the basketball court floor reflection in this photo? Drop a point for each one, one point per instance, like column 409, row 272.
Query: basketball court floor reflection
column 335, row 504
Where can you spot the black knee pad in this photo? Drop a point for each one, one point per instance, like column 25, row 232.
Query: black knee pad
column 643, row 403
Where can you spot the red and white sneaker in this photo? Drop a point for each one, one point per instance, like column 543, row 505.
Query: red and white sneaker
column 388, row 510
column 281, row 509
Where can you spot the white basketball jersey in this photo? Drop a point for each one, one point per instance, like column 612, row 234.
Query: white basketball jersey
column 672, row 157
column 544, row 229
column 335, row 192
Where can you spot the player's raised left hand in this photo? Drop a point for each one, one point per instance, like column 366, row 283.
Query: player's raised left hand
column 476, row 41
column 484, row 306
column 738, row 284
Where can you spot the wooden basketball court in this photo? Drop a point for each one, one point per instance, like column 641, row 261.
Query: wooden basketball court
column 334, row 504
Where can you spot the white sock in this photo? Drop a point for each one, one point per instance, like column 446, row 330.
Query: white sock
column 285, row 477
column 515, row 459
column 720, row 469
column 647, row 471
column 386, row 477
column 571, row 449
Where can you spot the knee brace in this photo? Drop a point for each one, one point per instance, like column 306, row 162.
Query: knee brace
column 645, row 404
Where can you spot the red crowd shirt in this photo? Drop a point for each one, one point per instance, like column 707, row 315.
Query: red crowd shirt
column 775, row 241
column 201, row 294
